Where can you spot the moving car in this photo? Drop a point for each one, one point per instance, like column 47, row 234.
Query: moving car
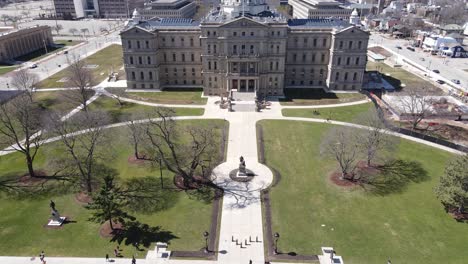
column 456, row 81
column 436, row 71
column 410, row 48
column 440, row 82
column 398, row 47
column 33, row 66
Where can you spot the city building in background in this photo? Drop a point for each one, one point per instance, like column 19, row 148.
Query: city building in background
column 246, row 48
column 76, row 9
column 168, row 8
column 18, row 42
column 318, row 9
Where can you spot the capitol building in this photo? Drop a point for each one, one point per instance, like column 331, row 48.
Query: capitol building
column 246, row 47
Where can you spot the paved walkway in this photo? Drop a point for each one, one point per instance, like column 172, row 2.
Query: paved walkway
column 242, row 214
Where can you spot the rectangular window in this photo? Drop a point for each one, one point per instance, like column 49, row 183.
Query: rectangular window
column 359, row 44
column 133, row 76
column 214, row 49
column 165, row 57
column 129, row 44
column 346, row 76
column 149, row 60
column 323, row 57
column 131, row 60
column 341, row 44
column 215, row 65
column 192, row 57
column 183, row 57
column 355, row 76
column 271, row 65
column 313, row 57
column 337, row 76
column 173, row 57
column 147, row 44
column 339, row 61
column 315, row 42
column 350, row 45
column 209, row 65
column 294, row 57
column 348, row 61
column 142, row 76
column 151, row 75
column 191, row 42
column 140, row 60
column 277, row 65
column 324, row 42
column 138, row 44
column 305, row 41
column 304, row 56
column 357, row 61
column 234, row 49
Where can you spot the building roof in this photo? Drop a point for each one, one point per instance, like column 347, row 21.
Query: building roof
column 452, row 27
column 164, row 23
column 308, row 22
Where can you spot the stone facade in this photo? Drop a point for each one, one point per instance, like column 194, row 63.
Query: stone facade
column 250, row 54
column 15, row 43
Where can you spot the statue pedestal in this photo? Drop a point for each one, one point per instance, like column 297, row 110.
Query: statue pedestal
column 54, row 222
column 241, row 174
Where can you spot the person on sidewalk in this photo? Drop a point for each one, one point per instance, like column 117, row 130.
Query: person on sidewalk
column 116, row 252
column 133, row 260
column 107, row 257
column 42, row 256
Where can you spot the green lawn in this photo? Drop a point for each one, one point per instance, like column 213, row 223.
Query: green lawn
column 107, row 59
column 317, row 97
column 399, row 76
column 409, row 226
column 344, row 113
column 170, row 97
column 23, row 220
column 123, row 113
column 7, row 69
column 55, row 100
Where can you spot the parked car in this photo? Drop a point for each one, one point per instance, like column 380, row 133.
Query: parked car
column 440, row 82
column 33, row 66
column 436, row 71
column 455, row 81
column 65, row 52
column 410, row 48
column 398, row 47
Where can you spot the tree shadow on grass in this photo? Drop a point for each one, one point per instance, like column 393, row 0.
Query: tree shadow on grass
column 140, row 234
column 148, row 195
column 395, row 176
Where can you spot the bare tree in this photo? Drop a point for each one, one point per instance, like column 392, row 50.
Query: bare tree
column 84, row 31
column 82, row 78
column 5, row 19
column 341, row 144
column 136, row 133
column 84, row 148
column 73, row 31
column 57, row 28
column 20, row 125
column 25, row 81
column 190, row 160
column 118, row 94
column 416, row 105
column 374, row 141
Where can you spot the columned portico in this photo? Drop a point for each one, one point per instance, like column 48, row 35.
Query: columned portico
column 242, row 84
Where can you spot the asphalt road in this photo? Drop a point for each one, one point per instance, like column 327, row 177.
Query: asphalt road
column 450, row 68
column 50, row 65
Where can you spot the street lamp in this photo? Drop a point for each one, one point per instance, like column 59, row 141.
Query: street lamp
column 206, row 234
column 276, row 235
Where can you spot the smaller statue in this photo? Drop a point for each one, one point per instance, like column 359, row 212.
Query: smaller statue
column 52, row 205
column 242, row 165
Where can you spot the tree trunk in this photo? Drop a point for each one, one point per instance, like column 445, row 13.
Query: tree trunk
column 30, row 166
column 461, row 209
column 343, row 175
column 89, row 187
column 135, row 146
column 110, row 224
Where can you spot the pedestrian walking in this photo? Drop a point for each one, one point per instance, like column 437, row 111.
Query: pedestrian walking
column 116, row 252
column 133, row 260
column 250, row 261
column 42, row 256
column 107, row 257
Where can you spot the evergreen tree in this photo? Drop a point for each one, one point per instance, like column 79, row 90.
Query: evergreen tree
column 107, row 204
column 453, row 187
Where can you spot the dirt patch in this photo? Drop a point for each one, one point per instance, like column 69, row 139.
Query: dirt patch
column 381, row 51
column 27, row 180
column 357, row 178
column 106, row 232
column 83, row 198
column 142, row 160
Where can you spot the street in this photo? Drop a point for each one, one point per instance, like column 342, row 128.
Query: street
column 50, row 65
column 450, row 68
